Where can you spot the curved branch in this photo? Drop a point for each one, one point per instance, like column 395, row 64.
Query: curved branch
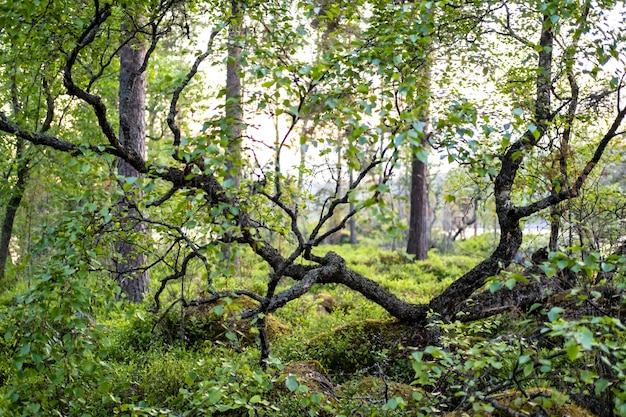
column 314, row 239
column 171, row 117
column 86, row 38
column 582, row 177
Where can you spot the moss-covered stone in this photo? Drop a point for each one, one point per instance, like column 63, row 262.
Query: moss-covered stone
column 326, row 303
column 367, row 347
column 218, row 322
column 312, row 374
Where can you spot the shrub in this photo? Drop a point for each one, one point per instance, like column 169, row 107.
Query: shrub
column 585, row 361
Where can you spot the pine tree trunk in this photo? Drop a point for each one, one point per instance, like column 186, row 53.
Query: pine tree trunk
column 418, row 221
column 131, row 275
column 419, row 224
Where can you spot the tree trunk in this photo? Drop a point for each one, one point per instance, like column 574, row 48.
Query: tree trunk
column 12, row 207
column 352, row 221
column 419, row 224
column 418, row 220
column 130, row 273
column 233, row 109
column 23, row 171
column 555, row 228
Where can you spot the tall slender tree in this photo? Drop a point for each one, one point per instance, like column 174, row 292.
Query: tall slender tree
column 419, row 224
column 131, row 274
column 23, row 165
column 233, row 110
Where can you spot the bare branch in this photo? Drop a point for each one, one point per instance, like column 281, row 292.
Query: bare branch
column 171, row 117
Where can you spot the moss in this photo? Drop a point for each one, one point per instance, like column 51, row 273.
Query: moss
column 314, row 394
column 312, row 374
column 326, row 303
column 479, row 246
column 219, row 322
column 534, row 400
column 367, row 347
column 377, row 389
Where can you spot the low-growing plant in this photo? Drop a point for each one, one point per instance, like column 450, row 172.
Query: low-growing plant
column 585, row 361
column 479, row 246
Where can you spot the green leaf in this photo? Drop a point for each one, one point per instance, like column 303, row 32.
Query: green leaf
column 528, row 369
column 495, row 286
column 218, row 310
column 510, row 283
column 190, row 378
column 421, row 155
column 554, row 313
column 532, row 128
column 587, row 376
column 25, row 349
column 214, row 396
column 547, row 269
column 585, row 338
column 562, row 263
column 291, row 383
column 600, row 386
column 572, row 350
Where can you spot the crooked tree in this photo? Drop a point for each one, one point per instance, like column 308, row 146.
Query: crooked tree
column 357, row 88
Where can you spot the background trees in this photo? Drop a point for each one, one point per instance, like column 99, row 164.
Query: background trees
column 331, row 89
column 521, row 98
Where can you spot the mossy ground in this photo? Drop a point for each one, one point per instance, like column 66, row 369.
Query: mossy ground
column 347, row 355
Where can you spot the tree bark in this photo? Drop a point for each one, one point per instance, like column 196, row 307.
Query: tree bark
column 233, row 108
column 233, row 111
column 12, row 207
column 418, row 221
column 131, row 274
column 419, row 225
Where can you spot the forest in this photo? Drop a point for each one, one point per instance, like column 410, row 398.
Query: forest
column 312, row 208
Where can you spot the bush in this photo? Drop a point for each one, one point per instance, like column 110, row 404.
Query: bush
column 585, row 361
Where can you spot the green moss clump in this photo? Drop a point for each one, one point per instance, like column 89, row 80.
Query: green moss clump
column 369, row 346
column 219, row 322
column 312, row 374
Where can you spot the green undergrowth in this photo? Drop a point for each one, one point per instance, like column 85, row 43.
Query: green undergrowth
column 76, row 352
